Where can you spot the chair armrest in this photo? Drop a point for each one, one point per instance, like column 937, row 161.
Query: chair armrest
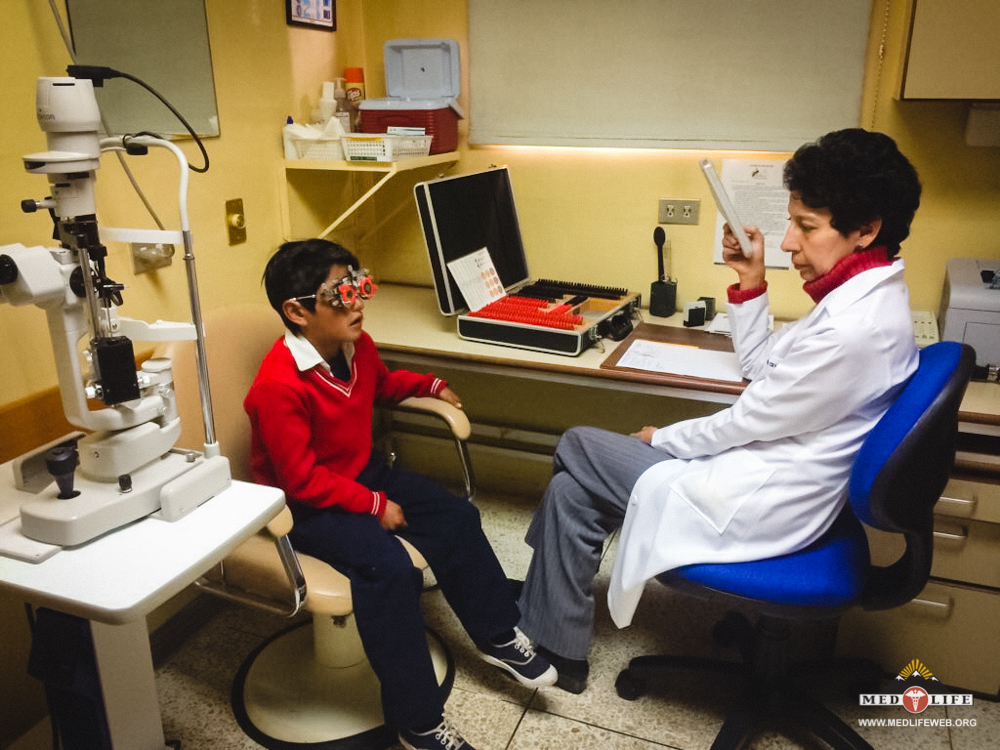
column 457, row 420
column 458, row 423
column 281, row 524
column 264, row 571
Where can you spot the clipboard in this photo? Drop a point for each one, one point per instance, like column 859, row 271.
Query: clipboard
column 672, row 335
column 726, row 206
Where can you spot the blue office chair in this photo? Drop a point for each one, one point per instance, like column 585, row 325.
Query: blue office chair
column 897, row 478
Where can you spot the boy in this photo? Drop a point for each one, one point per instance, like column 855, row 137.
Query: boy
column 310, row 410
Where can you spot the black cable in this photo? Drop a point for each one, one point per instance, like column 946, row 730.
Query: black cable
column 99, row 73
column 56, row 744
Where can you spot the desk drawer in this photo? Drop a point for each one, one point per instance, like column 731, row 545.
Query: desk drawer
column 966, row 551
column 973, row 497
column 949, row 628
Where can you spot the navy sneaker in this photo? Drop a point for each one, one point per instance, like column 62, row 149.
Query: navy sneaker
column 519, row 658
column 442, row 737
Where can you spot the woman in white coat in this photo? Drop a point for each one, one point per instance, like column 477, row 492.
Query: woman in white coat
column 768, row 475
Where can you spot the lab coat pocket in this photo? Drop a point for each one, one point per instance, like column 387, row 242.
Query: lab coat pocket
column 718, row 486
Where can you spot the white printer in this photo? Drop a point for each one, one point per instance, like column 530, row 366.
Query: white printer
column 970, row 306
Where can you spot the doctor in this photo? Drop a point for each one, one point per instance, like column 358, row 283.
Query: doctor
column 768, row 475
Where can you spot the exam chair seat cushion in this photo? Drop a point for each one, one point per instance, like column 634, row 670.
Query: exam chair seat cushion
column 255, row 568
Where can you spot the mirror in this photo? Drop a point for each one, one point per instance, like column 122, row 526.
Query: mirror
column 165, row 44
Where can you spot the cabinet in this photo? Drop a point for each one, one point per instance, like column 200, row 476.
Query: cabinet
column 950, row 627
column 317, row 197
column 952, row 50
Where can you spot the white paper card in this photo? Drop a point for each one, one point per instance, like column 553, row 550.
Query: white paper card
column 759, row 198
column 678, row 359
column 477, row 278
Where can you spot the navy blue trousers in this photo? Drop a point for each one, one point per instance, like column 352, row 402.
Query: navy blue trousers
column 386, row 588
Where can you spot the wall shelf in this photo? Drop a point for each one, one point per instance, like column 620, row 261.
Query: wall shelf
column 294, row 197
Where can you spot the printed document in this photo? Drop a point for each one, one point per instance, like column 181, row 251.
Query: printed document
column 679, row 359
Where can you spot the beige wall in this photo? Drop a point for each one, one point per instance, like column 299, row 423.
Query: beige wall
column 589, row 214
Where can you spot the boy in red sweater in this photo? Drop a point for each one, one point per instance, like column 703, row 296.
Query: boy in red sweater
column 310, row 410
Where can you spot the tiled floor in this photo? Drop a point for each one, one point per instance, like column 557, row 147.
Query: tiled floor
column 497, row 714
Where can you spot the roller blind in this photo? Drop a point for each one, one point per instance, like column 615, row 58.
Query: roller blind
column 747, row 74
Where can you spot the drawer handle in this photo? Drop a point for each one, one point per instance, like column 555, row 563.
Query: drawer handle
column 936, row 609
column 949, row 537
column 955, row 506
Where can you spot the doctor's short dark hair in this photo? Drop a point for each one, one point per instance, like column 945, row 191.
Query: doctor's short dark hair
column 858, row 176
column 297, row 269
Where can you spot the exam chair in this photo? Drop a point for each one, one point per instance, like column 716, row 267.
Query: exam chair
column 311, row 684
column 897, row 478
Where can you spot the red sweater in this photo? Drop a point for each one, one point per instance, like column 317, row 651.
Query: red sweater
column 311, row 434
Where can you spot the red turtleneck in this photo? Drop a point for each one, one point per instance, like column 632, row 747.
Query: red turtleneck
column 845, row 268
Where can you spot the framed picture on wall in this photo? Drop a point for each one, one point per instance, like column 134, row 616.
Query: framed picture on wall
column 314, row 14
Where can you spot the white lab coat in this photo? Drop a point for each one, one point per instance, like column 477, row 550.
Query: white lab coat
column 768, row 475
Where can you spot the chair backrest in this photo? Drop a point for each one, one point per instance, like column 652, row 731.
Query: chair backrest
column 236, row 338
column 903, row 466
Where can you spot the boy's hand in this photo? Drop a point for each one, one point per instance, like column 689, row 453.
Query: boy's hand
column 393, row 518
column 447, row 394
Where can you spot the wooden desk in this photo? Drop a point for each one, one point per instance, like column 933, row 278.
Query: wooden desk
column 405, row 321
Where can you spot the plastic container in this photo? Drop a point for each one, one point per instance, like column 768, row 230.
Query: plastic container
column 383, row 148
column 422, row 80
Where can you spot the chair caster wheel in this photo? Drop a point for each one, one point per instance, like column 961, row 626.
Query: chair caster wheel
column 628, row 686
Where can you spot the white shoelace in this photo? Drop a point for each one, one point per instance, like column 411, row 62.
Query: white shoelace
column 522, row 643
column 449, row 735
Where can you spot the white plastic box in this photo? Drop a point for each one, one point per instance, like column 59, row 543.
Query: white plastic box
column 422, row 78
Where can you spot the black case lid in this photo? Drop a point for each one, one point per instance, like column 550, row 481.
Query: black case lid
column 463, row 214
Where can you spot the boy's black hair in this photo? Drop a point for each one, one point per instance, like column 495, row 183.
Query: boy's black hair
column 858, row 176
column 298, row 269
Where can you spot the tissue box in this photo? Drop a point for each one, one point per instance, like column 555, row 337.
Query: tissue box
column 422, row 78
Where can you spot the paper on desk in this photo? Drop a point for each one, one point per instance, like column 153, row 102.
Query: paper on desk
column 760, row 198
column 477, row 279
column 678, row 359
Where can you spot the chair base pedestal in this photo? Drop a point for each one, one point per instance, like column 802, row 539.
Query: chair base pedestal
column 771, row 699
column 284, row 698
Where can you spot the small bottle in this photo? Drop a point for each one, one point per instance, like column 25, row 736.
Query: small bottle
column 355, row 85
column 327, row 102
column 341, row 110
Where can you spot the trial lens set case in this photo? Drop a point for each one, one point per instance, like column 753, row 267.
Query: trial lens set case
column 463, row 214
column 422, row 78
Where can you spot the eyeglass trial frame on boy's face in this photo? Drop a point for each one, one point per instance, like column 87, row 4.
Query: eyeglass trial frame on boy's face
column 344, row 292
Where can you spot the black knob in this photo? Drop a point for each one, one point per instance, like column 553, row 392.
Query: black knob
column 8, row 270
column 29, row 206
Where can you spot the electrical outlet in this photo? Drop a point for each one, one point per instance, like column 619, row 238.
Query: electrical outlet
column 679, row 211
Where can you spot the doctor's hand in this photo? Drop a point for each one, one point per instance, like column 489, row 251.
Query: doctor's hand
column 645, row 434
column 393, row 518
column 448, row 395
column 750, row 270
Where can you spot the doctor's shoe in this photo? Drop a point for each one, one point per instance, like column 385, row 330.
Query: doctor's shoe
column 572, row 672
column 518, row 657
column 442, row 737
